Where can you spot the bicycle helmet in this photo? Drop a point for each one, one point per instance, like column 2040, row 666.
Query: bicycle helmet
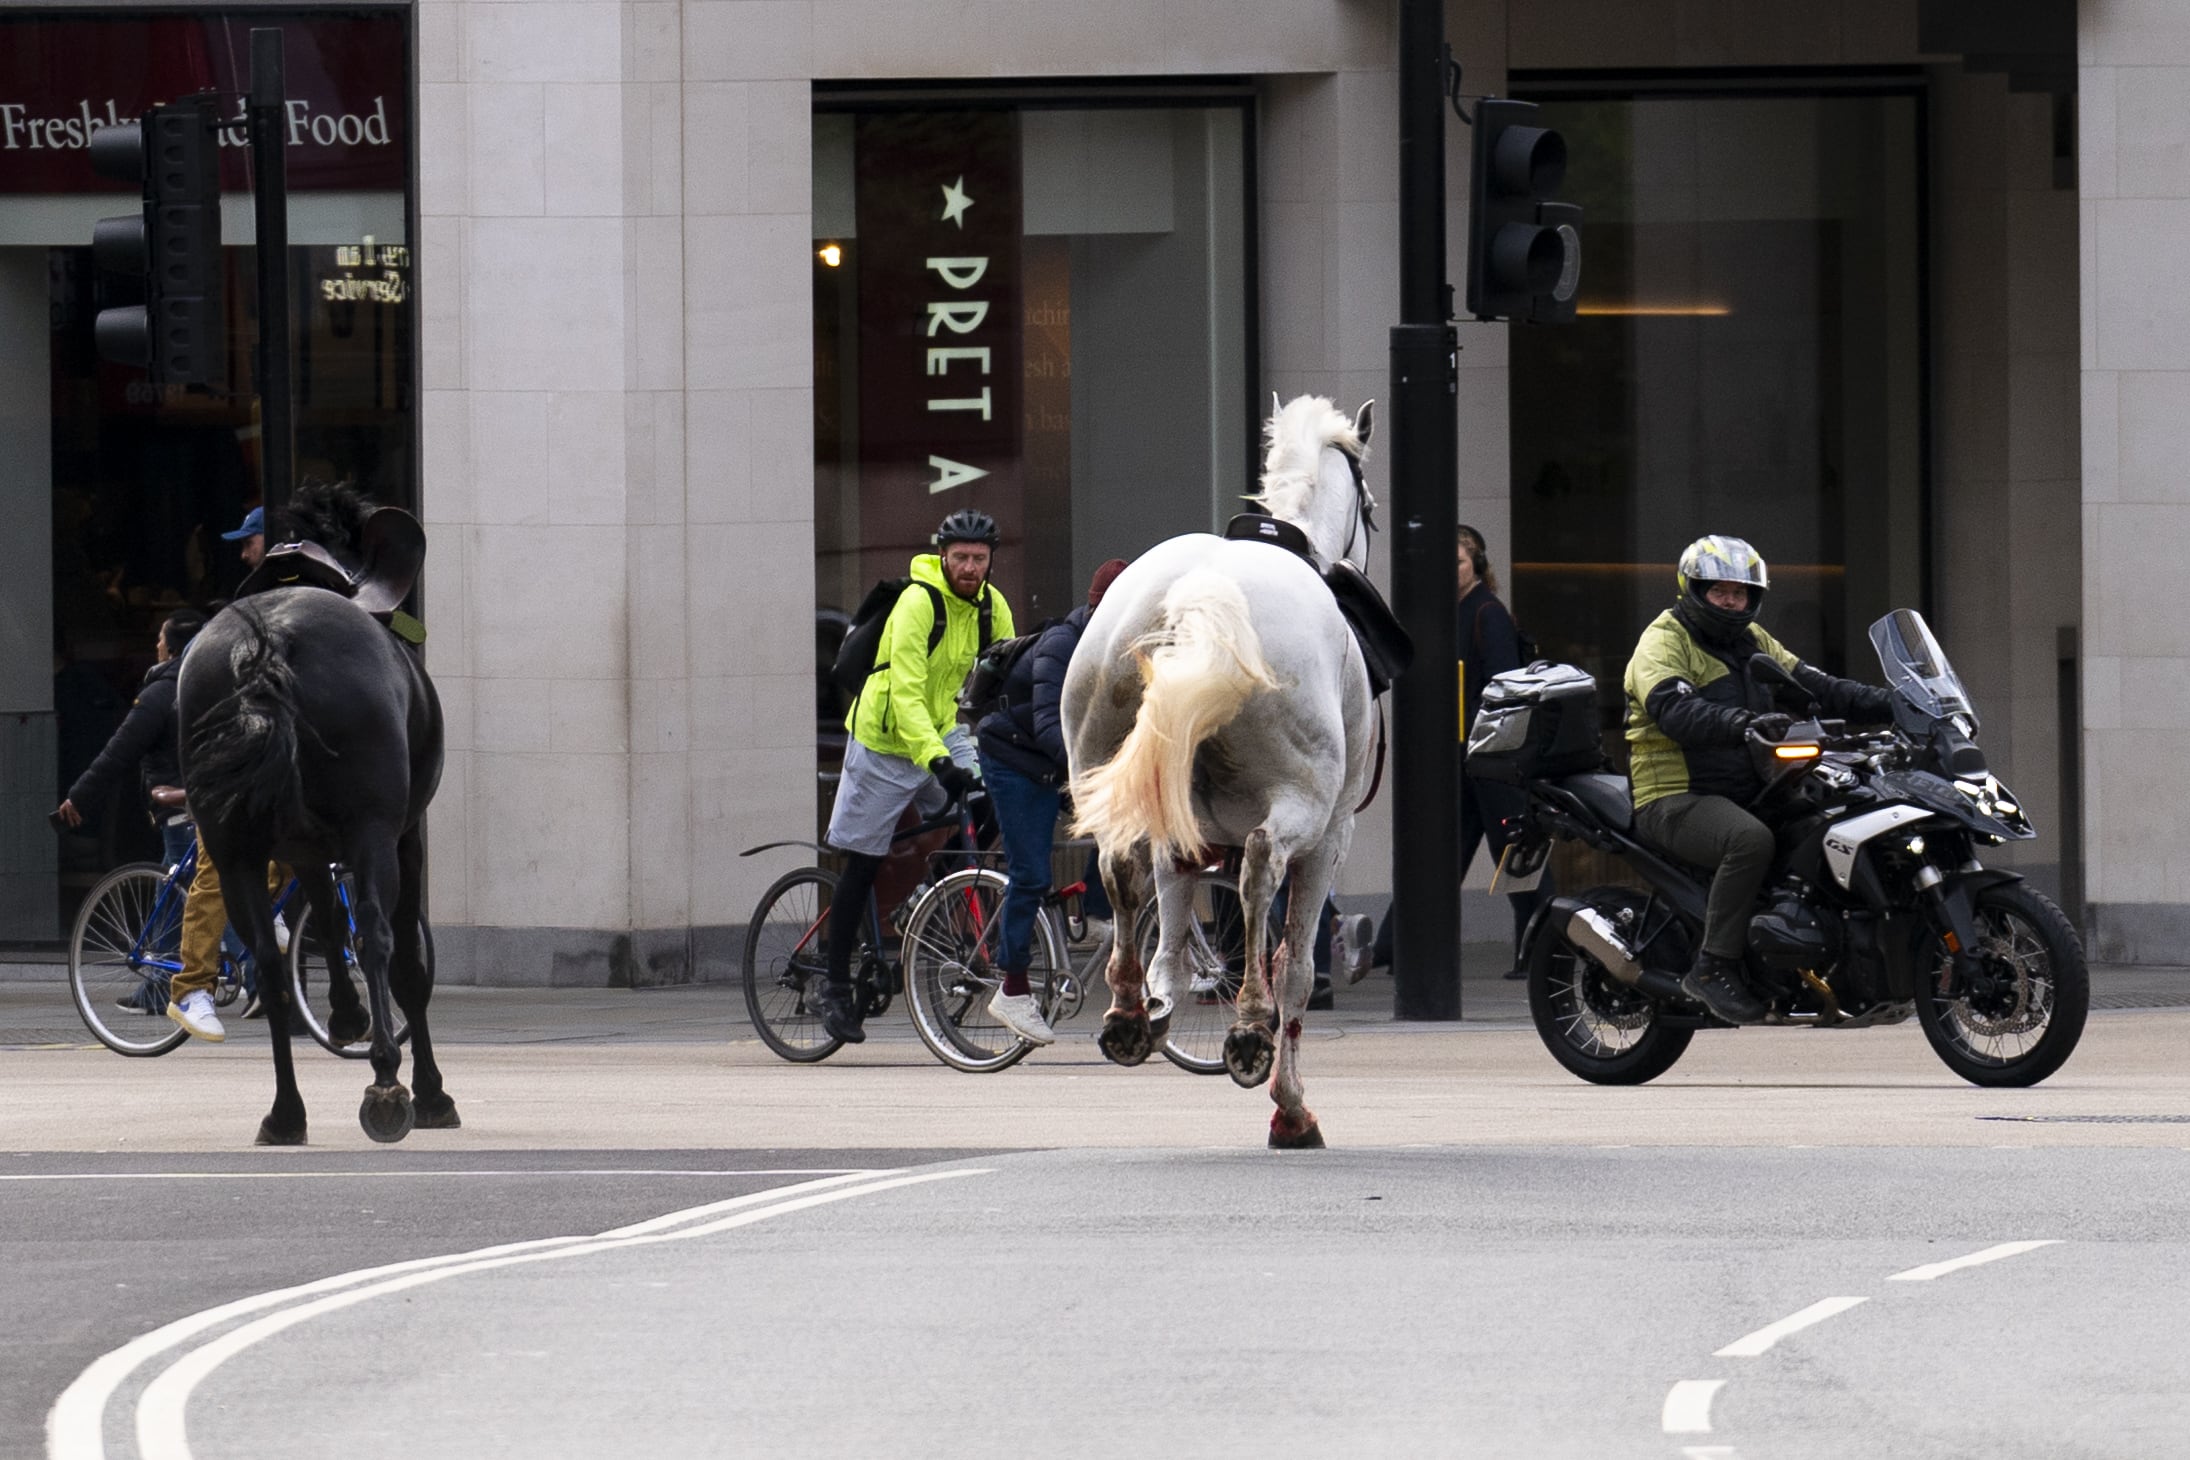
column 1716, row 559
column 967, row 524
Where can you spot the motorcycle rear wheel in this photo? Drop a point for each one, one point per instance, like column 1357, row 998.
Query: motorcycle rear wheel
column 1594, row 1025
column 2024, row 1029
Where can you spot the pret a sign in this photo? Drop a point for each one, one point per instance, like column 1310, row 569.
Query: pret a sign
column 940, row 336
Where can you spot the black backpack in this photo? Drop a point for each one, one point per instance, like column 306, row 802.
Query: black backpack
column 983, row 691
column 855, row 657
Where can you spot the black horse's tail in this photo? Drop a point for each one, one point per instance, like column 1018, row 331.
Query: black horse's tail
column 243, row 751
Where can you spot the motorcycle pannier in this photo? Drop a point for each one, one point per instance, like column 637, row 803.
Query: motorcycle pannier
column 1536, row 724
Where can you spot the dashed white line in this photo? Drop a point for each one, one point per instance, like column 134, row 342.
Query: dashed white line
column 1688, row 1406
column 1760, row 1342
column 1932, row 1270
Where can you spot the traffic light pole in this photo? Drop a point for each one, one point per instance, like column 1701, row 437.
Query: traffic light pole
column 1425, row 580
column 270, row 199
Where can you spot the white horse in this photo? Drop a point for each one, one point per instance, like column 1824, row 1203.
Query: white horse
column 1218, row 699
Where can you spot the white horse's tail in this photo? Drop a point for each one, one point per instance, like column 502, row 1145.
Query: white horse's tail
column 1198, row 667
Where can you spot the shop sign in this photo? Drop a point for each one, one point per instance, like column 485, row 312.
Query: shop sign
column 62, row 78
column 940, row 337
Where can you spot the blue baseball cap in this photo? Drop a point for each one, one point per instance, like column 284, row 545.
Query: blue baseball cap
column 254, row 525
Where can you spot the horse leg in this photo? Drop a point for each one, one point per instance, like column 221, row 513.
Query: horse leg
column 1174, row 924
column 386, row 1112
column 1292, row 1125
column 1248, row 1047
column 1126, row 1038
column 411, row 981
column 251, row 912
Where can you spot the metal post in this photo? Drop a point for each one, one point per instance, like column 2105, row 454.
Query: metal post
column 270, row 200
column 1425, row 499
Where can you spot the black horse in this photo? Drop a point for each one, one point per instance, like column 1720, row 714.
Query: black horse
column 311, row 735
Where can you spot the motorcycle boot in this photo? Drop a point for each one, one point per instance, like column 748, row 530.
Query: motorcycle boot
column 1716, row 983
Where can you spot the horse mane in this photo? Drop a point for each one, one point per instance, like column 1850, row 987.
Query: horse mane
column 331, row 514
column 1296, row 436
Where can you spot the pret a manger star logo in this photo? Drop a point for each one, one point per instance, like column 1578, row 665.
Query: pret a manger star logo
column 955, row 202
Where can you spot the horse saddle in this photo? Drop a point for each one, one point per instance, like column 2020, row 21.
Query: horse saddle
column 1386, row 647
column 392, row 549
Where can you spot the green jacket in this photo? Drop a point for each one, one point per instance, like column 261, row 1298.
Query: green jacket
column 1710, row 757
column 911, row 698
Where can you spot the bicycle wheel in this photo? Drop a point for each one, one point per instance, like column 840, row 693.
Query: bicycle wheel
column 321, row 950
column 951, row 971
column 1216, row 962
column 125, row 925
column 786, row 965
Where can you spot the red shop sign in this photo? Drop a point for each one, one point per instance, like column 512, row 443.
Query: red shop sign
column 347, row 78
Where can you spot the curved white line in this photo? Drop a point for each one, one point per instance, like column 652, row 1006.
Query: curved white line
column 1932, row 1270
column 75, row 1427
column 1750, row 1346
column 160, row 1409
column 1688, row 1406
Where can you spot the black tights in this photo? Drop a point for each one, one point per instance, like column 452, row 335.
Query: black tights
column 847, row 913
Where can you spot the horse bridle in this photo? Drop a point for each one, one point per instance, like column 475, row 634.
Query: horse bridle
column 1363, row 502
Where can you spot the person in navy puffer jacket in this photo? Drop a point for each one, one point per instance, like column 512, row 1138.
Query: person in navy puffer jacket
column 1022, row 747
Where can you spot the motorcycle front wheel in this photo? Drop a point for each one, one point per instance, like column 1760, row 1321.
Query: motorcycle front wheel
column 1596, row 1026
column 2021, row 1016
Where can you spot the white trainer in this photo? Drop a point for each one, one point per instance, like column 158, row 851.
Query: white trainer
column 1353, row 945
column 1022, row 1016
column 194, row 1012
column 281, row 935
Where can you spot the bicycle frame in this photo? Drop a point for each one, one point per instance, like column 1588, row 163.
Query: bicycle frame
column 177, row 886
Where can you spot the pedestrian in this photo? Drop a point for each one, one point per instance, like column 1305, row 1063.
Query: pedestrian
column 1490, row 645
column 896, row 755
column 250, row 537
column 1023, row 765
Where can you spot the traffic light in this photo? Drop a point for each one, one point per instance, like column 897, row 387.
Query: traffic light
column 180, row 333
column 1524, row 248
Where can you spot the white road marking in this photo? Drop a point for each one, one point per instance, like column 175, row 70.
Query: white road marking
column 1688, row 1406
column 75, row 1425
column 1751, row 1345
column 1932, row 1270
column 387, row 1175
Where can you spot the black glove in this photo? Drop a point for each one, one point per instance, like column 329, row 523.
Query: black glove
column 951, row 776
column 1771, row 725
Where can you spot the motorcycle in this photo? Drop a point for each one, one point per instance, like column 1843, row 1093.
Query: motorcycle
column 1876, row 907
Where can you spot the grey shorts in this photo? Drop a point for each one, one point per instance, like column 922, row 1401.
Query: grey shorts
column 872, row 794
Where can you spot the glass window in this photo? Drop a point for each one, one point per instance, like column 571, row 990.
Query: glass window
column 1039, row 311
column 1747, row 361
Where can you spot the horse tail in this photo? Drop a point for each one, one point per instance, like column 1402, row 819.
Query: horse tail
column 243, row 750
column 1198, row 668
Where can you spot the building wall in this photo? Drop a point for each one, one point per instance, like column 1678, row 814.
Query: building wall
column 2134, row 163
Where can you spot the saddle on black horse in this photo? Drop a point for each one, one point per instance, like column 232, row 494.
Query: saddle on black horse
column 392, row 551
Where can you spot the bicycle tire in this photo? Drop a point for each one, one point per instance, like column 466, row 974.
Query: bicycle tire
column 786, row 964
column 306, row 935
column 1216, row 965
column 948, row 989
column 101, row 968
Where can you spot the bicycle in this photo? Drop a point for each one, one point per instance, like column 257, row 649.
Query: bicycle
column 125, row 948
column 950, row 940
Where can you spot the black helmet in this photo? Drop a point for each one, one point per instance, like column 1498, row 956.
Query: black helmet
column 967, row 524
column 1715, row 559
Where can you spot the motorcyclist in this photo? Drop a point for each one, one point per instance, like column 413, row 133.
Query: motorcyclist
column 1691, row 706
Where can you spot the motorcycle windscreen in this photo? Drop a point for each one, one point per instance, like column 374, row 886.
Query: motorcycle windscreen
column 1916, row 665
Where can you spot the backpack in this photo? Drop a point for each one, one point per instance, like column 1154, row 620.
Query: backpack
column 983, row 691
column 855, row 657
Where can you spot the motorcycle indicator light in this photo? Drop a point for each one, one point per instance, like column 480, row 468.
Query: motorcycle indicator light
column 1795, row 752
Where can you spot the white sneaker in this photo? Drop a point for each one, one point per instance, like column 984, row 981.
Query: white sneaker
column 1022, row 1016
column 1353, row 945
column 194, row 1012
column 281, row 938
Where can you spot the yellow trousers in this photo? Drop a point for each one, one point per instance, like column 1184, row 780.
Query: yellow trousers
column 204, row 916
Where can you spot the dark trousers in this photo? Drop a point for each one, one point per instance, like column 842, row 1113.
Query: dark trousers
column 1026, row 815
column 1713, row 832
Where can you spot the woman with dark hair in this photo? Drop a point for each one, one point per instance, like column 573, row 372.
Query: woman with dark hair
column 146, row 742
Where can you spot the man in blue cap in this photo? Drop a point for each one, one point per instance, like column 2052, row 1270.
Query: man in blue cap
column 252, row 535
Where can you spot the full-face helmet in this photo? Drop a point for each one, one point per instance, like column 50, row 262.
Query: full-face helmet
column 1717, row 559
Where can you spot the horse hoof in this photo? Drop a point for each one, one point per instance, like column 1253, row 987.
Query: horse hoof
column 1126, row 1039
column 349, row 1028
column 1286, row 1135
column 271, row 1134
column 1248, row 1053
column 438, row 1114
column 386, row 1113
column 1159, row 1021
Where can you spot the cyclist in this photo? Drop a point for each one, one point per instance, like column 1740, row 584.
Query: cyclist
column 896, row 756
column 1691, row 706
column 1022, row 747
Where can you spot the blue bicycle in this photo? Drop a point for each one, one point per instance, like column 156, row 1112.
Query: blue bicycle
column 126, row 948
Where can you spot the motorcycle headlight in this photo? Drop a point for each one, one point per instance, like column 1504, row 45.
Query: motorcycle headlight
column 1992, row 798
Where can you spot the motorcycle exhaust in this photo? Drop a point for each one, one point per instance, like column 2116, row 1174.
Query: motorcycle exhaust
column 1593, row 933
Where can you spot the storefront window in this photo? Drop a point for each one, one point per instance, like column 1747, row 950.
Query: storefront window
column 1747, row 361
column 116, row 497
column 1039, row 311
